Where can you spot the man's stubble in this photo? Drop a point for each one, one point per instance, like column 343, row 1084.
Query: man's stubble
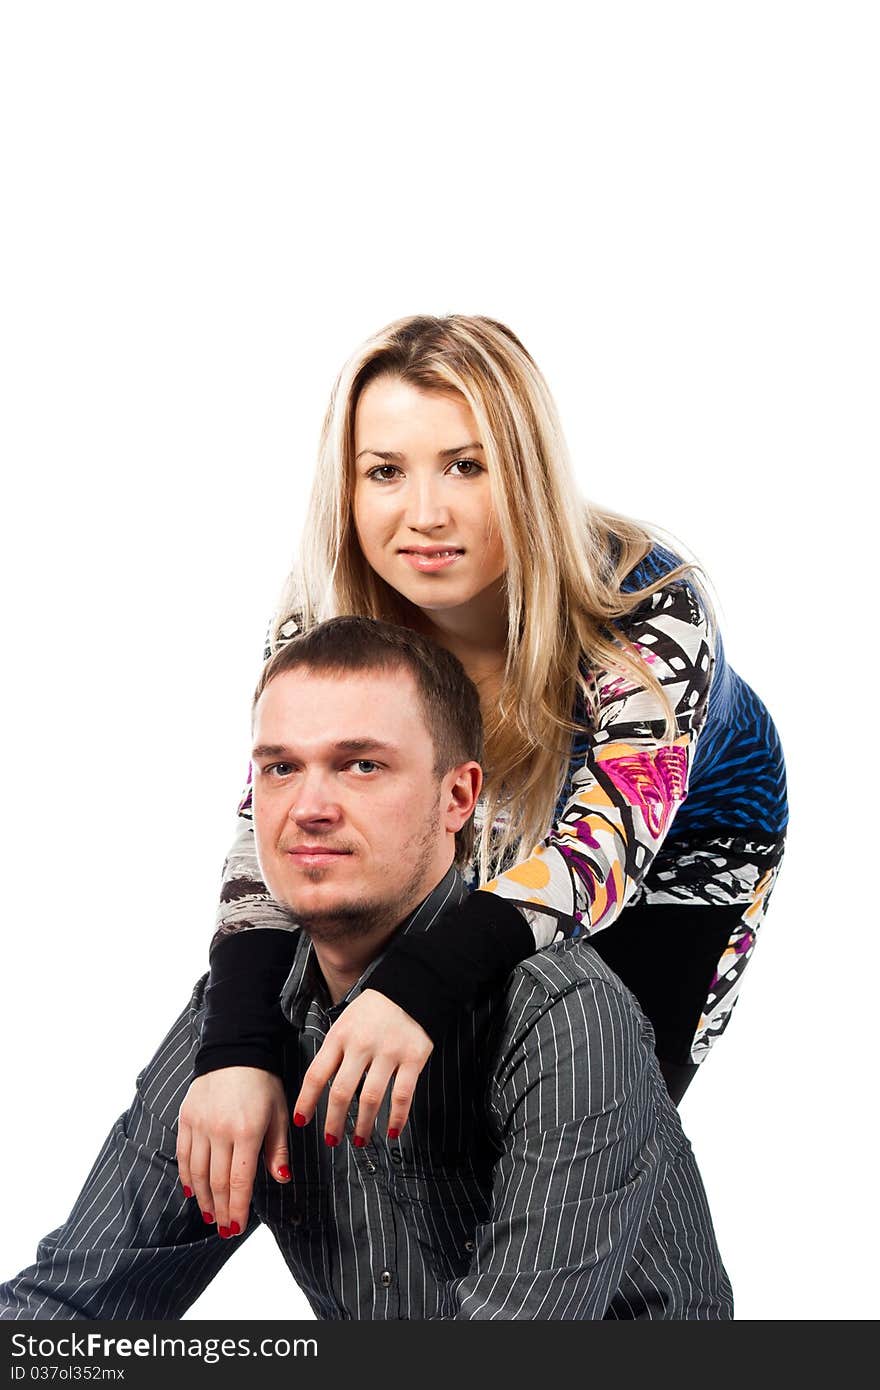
column 361, row 917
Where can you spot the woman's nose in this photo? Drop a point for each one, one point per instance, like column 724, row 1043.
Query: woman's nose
column 426, row 509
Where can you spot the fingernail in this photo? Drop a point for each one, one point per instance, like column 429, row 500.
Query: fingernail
column 299, row 1120
column 223, row 1232
column 331, row 1140
column 208, row 1218
column 394, row 1134
column 187, row 1191
column 234, row 1228
column 359, row 1141
column 284, row 1172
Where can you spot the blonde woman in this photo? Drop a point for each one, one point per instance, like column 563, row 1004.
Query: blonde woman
column 634, row 784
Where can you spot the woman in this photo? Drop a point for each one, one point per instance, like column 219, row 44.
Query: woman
column 443, row 501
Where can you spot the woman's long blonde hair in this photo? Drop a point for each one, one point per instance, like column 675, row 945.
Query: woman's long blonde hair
column 565, row 559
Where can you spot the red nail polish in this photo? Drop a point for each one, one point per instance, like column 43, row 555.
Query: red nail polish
column 234, row 1228
column 284, row 1172
column 359, row 1141
column 208, row 1218
column 299, row 1120
column 187, row 1191
column 331, row 1140
column 394, row 1134
column 223, row 1232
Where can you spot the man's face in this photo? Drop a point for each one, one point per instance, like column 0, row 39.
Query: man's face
column 353, row 826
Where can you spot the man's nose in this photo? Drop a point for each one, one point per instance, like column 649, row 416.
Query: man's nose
column 426, row 508
column 314, row 802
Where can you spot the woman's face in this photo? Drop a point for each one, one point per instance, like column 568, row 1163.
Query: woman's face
column 422, row 495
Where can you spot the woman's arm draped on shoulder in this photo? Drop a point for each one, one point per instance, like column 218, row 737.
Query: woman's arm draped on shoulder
column 625, row 782
column 251, row 953
column 624, row 786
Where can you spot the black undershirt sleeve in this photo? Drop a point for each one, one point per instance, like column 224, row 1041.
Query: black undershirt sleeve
column 434, row 974
column 243, row 1024
column 431, row 975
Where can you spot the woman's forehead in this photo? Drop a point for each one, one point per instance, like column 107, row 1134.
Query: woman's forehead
column 389, row 410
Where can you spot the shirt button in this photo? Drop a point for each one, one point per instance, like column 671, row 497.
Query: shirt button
column 386, row 1279
column 469, row 1246
column 396, row 1156
column 371, row 1167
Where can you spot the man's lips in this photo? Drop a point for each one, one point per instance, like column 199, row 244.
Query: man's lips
column 312, row 854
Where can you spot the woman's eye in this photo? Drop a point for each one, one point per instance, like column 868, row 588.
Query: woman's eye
column 468, row 468
column 384, row 473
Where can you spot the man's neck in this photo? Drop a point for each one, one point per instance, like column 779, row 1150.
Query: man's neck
column 343, row 963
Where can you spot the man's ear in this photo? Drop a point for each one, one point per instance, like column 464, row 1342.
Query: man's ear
column 459, row 791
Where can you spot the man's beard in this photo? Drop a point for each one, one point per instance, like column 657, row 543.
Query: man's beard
column 361, row 917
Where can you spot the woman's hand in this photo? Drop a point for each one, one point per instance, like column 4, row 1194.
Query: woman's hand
column 226, row 1118
column 376, row 1040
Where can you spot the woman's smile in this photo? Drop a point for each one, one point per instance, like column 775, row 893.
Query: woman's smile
column 430, row 559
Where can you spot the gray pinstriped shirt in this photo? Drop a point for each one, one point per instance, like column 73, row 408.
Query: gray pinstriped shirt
column 543, row 1174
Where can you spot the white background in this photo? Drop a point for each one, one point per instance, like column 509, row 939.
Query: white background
column 206, row 207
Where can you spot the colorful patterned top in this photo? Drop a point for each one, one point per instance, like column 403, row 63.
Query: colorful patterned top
column 698, row 821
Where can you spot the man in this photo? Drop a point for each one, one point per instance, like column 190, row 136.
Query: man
column 543, row 1172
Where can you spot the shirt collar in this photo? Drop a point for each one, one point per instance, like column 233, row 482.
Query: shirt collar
column 305, row 982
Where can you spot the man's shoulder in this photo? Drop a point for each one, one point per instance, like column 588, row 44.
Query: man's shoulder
column 563, row 967
column 565, row 978
column 565, row 1015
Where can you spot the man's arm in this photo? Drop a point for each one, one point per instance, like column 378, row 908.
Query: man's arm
column 573, row 1106
column 133, row 1246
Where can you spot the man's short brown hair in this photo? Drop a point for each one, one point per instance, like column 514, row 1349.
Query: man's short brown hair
column 449, row 699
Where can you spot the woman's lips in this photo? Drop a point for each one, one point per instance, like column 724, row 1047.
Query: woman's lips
column 427, row 561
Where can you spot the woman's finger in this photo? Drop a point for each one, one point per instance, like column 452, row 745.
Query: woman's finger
column 221, row 1160
column 342, row 1089
column 275, row 1152
column 376, row 1083
column 401, row 1096
column 242, row 1171
column 184, row 1148
column 318, row 1075
column 200, row 1173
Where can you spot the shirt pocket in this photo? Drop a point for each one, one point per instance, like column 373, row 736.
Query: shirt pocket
column 444, row 1208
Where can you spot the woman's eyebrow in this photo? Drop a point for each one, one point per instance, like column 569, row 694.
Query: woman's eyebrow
column 444, row 453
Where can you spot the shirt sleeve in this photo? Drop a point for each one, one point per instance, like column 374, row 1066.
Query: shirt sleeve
column 580, row 1166
column 133, row 1245
column 625, row 781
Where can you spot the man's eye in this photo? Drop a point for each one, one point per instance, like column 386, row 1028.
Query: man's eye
column 278, row 769
column 384, row 473
column 364, row 765
column 468, row 468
